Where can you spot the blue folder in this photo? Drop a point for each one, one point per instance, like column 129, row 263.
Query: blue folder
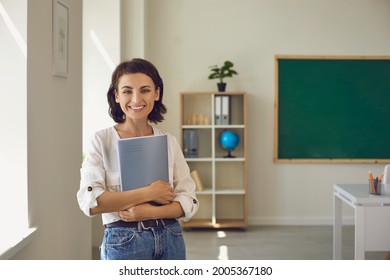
column 143, row 160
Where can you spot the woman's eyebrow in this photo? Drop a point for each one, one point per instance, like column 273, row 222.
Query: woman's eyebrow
column 147, row 86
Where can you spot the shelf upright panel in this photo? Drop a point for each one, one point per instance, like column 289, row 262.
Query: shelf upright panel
column 214, row 210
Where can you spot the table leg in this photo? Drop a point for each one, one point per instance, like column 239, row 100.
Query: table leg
column 337, row 228
column 359, row 233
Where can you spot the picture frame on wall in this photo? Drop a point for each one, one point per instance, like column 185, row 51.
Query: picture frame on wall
column 60, row 39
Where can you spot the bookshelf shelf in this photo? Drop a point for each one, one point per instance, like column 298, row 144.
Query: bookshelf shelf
column 223, row 201
column 229, row 159
column 199, row 159
column 230, row 192
column 229, row 126
column 205, row 192
column 189, row 126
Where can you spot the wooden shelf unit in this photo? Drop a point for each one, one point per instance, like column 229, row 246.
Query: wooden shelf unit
column 223, row 201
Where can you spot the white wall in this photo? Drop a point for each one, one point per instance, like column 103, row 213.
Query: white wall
column 184, row 37
column 133, row 27
column 54, row 146
column 101, row 54
column 13, row 114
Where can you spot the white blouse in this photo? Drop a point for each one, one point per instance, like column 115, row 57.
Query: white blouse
column 100, row 173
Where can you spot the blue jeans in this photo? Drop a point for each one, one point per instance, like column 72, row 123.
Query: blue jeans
column 157, row 243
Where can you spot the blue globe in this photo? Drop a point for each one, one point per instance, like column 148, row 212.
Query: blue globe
column 229, row 141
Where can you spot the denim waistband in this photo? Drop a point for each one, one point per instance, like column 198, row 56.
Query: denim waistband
column 144, row 224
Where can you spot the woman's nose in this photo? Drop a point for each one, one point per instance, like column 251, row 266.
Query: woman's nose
column 135, row 96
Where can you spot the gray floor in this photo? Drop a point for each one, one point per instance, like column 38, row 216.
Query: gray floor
column 269, row 243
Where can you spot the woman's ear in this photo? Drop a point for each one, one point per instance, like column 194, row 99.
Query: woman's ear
column 116, row 96
column 157, row 95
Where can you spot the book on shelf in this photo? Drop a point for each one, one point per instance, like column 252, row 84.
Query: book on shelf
column 217, row 110
column 222, row 110
column 198, row 181
column 143, row 160
column 225, row 110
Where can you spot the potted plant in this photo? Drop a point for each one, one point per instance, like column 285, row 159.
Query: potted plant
column 222, row 72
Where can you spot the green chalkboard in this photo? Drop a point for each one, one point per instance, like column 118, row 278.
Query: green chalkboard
column 332, row 109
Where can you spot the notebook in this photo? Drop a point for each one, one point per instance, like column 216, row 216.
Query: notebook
column 143, row 160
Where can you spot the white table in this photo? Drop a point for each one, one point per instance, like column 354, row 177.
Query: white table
column 372, row 219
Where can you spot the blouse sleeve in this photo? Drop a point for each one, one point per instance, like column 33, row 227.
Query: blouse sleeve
column 184, row 184
column 92, row 183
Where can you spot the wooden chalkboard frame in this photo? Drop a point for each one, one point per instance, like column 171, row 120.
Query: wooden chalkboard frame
column 277, row 158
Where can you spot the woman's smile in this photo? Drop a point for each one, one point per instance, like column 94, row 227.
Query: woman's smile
column 136, row 108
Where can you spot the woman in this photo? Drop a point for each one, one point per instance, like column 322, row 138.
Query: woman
column 134, row 227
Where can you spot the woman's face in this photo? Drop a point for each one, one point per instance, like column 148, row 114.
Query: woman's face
column 136, row 95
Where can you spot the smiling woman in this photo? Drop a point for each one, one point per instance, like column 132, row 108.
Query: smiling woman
column 143, row 222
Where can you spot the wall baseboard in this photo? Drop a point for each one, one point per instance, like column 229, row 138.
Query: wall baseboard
column 325, row 221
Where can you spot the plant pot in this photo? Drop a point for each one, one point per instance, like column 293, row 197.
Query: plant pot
column 221, row 87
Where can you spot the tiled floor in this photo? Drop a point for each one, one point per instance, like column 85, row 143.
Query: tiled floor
column 269, row 243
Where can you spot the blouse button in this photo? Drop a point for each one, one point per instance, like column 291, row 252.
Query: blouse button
column 89, row 189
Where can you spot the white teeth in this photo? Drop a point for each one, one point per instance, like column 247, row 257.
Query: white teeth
column 136, row 107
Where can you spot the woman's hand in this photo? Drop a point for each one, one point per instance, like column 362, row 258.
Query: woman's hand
column 137, row 213
column 146, row 211
column 161, row 192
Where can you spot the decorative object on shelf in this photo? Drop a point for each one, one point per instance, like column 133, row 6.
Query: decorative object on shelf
column 220, row 73
column 229, row 141
column 198, row 120
column 190, row 137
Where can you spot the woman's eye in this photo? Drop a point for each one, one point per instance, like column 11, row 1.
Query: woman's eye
column 145, row 91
